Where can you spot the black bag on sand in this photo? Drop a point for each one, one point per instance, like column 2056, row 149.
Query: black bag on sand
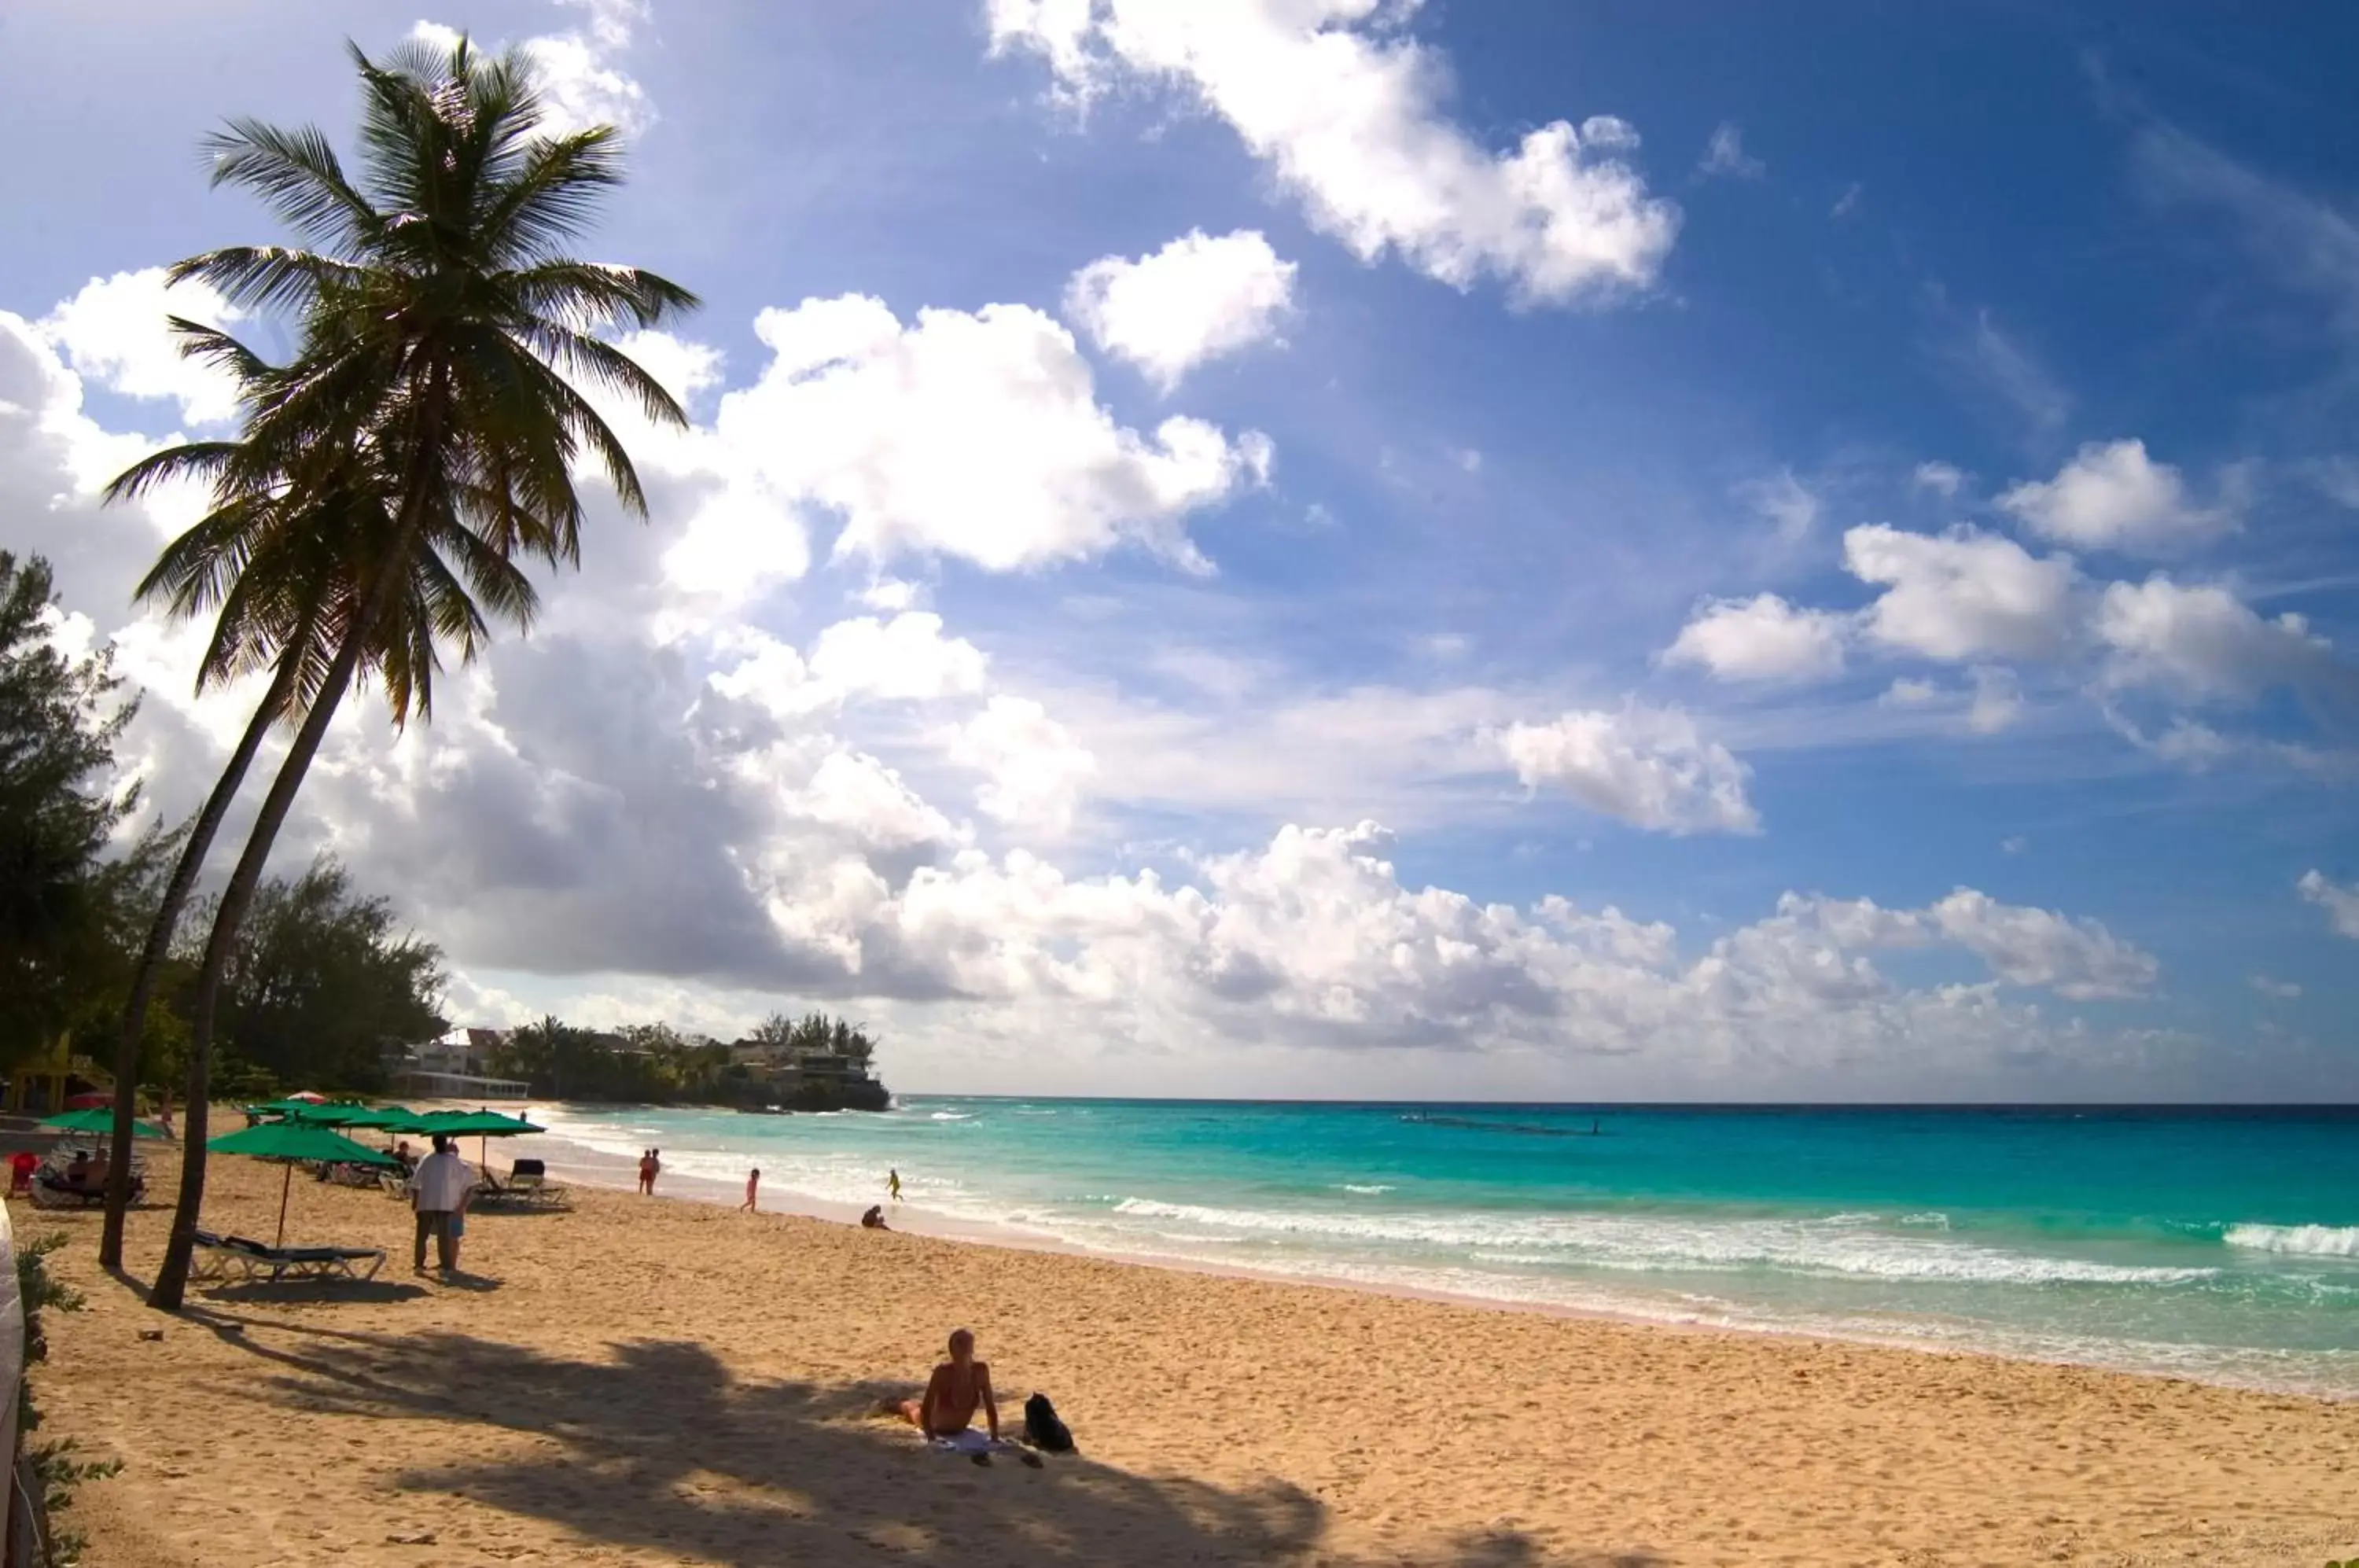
column 1042, row 1430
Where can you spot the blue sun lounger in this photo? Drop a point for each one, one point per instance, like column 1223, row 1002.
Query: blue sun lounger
column 237, row 1259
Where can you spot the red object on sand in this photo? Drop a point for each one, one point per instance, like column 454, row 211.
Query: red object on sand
column 21, row 1166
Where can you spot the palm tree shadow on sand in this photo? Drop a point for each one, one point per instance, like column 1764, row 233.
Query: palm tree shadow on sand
column 662, row 1450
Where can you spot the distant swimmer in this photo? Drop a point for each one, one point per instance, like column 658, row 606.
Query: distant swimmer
column 752, row 1185
column 893, row 1185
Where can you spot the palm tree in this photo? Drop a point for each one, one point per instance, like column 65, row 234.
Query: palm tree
column 279, row 563
column 440, row 319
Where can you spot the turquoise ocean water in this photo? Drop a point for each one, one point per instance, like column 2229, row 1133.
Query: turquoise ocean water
column 2216, row 1243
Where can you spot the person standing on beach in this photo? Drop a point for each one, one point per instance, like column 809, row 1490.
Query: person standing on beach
column 893, row 1184
column 439, row 1192
column 648, row 1169
column 753, row 1184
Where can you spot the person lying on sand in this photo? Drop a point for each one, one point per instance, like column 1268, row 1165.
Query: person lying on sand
column 946, row 1413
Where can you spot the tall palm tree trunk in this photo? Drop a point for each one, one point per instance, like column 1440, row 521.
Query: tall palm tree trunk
column 172, row 1278
column 159, row 943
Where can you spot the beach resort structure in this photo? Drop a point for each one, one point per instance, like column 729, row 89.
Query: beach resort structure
column 454, row 1067
column 798, row 1077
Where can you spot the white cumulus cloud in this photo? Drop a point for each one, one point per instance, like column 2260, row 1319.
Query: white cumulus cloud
column 969, row 434
column 1762, row 639
column 115, row 332
column 582, row 83
column 1195, row 300
column 905, row 660
column 1346, row 110
column 1036, row 771
column 2340, row 902
column 2203, row 643
column 2079, row 959
column 1961, row 596
column 2116, row 497
column 1649, row 767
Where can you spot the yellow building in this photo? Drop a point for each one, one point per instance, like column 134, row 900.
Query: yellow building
column 40, row 1085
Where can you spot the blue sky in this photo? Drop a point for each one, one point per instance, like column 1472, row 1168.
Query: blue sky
column 1346, row 548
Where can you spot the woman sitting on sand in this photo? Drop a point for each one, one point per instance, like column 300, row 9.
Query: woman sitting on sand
column 874, row 1218
column 945, row 1413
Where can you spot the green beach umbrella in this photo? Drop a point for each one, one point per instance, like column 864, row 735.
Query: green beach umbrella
column 349, row 1114
column 476, row 1125
column 293, row 1143
column 384, row 1119
column 101, row 1119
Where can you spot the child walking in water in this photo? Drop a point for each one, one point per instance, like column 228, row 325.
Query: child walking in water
column 893, row 1184
column 753, row 1181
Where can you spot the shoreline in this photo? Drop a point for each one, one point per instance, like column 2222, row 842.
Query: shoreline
column 576, row 1164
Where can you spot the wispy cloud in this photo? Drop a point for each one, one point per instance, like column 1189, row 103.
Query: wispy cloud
column 2306, row 242
column 1996, row 367
column 1726, row 155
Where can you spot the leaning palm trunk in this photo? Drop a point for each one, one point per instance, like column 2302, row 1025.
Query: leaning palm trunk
column 159, row 943
column 172, row 1277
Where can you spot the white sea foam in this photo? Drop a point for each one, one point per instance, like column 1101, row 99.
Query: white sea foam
column 950, row 1116
column 2312, row 1240
column 1657, row 1244
column 1367, row 1189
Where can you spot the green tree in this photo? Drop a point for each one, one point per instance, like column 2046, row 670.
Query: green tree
column 322, row 979
column 440, row 319
column 59, row 808
column 279, row 563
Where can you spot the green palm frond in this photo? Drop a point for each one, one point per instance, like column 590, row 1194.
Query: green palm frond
column 296, row 174
column 425, row 438
column 265, row 277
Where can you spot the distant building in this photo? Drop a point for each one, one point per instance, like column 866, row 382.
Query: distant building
column 411, row 1084
column 456, row 1067
column 790, row 1076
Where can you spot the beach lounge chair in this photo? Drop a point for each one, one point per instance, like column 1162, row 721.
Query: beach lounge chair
column 235, row 1257
column 522, row 1189
column 528, row 1183
column 527, row 1186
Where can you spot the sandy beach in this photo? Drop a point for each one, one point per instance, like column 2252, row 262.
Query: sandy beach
column 640, row 1381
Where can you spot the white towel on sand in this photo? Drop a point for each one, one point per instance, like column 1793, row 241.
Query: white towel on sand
column 968, row 1442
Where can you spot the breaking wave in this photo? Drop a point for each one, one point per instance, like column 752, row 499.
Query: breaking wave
column 2311, row 1240
column 1839, row 1246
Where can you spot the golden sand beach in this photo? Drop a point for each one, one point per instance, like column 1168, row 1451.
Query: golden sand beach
column 652, row 1381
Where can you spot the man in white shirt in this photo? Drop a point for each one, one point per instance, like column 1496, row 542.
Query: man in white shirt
column 440, row 1190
